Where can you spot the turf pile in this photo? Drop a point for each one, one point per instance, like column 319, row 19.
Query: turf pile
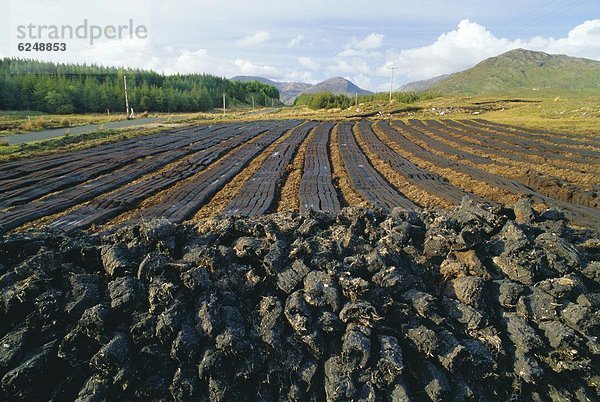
column 472, row 303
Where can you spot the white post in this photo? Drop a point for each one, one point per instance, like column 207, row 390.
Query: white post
column 126, row 97
column 392, row 80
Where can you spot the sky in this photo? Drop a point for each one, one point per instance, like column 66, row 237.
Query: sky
column 307, row 40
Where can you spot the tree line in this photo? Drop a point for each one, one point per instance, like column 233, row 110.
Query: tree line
column 70, row 88
column 328, row 100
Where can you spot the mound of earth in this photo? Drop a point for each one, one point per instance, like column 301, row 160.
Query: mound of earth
column 472, row 303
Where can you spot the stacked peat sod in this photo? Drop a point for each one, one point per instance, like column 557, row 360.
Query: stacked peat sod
column 467, row 304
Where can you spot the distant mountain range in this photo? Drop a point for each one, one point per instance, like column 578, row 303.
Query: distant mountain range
column 516, row 71
column 288, row 91
column 512, row 72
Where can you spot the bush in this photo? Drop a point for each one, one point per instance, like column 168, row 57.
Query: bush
column 324, row 100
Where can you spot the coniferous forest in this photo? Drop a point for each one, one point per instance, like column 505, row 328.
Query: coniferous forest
column 69, row 88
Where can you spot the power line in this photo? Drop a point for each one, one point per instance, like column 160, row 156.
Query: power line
column 542, row 17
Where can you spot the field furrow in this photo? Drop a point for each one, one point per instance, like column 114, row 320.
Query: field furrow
column 316, row 186
column 34, row 186
column 573, row 187
column 531, row 149
column 131, row 194
column 128, row 197
column 253, row 168
column 428, row 181
column 364, row 179
column 257, row 195
column 556, row 144
column 581, row 215
column 555, row 137
column 512, row 154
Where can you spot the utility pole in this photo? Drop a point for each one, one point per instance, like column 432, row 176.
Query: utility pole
column 224, row 110
column 392, row 67
column 126, row 97
column 355, row 98
column 252, row 102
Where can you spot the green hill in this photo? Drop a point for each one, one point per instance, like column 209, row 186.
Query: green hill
column 524, row 72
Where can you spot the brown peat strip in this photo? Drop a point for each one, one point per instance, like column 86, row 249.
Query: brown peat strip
column 364, row 179
column 316, row 186
column 257, row 195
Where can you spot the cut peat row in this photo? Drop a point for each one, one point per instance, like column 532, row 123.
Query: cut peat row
column 510, row 151
column 316, row 186
column 555, row 137
column 522, row 145
column 347, row 195
column 364, row 179
column 581, row 215
column 63, row 200
column 182, row 203
column 571, row 147
column 435, row 144
column 37, row 185
column 422, row 178
column 32, row 170
column 550, row 186
column 257, row 195
column 128, row 197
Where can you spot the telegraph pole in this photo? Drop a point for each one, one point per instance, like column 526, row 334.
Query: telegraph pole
column 392, row 67
column 224, row 104
column 126, row 97
column 252, row 102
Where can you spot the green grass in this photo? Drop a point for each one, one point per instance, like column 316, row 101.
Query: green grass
column 14, row 122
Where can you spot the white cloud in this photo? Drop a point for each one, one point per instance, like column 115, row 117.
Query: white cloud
column 254, row 39
column 295, row 41
column 582, row 41
column 300, row 76
column 371, row 41
column 308, row 63
column 350, row 53
column 471, row 43
column 248, row 68
column 125, row 52
column 196, row 61
column 363, row 47
column 363, row 81
column 354, row 66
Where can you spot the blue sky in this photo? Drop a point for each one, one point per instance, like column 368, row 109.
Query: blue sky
column 314, row 40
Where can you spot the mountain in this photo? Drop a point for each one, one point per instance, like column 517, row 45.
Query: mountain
column 518, row 70
column 423, row 85
column 288, row 91
column 338, row 85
